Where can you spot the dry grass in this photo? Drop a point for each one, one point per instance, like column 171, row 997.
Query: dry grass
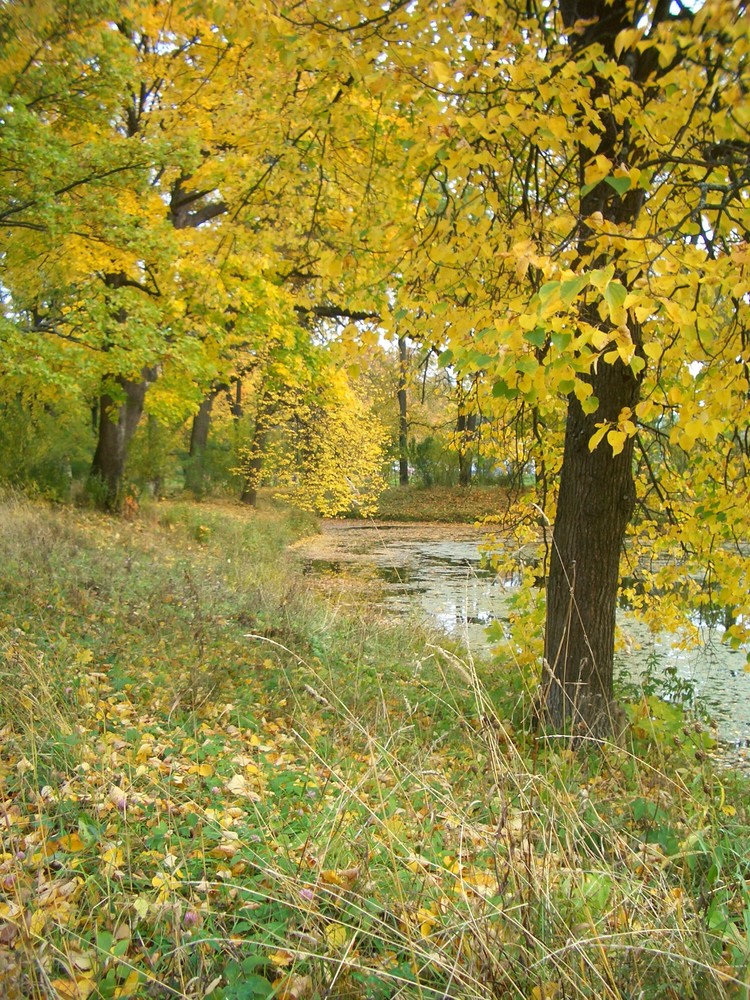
column 213, row 784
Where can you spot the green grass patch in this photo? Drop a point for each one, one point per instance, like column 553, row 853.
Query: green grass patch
column 213, row 783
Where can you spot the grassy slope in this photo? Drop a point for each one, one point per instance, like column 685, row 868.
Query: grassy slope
column 211, row 783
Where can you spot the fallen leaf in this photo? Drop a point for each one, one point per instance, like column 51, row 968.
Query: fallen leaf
column 546, row 991
column 71, row 842
column 129, row 987
column 281, row 957
column 74, row 989
column 336, row 935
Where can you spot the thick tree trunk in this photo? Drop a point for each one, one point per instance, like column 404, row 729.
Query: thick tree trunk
column 596, row 502
column 403, row 423
column 597, row 491
column 117, row 425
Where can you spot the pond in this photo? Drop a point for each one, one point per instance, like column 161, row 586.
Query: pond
column 435, row 571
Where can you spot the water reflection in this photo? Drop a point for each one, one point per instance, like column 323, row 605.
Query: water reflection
column 437, row 572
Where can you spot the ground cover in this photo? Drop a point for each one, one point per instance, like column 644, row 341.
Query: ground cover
column 214, row 782
column 462, row 504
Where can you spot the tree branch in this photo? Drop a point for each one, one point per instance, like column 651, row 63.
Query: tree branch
column 336, row 312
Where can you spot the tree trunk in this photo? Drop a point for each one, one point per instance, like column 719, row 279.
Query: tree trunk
column 201, row 426
column 403, row 423
column 117, row 425
column 235, row 402
column 254, row 463
column 597, row 490
column 466, row 425
column 595, row 504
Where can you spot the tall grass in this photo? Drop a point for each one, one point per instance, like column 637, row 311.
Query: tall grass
column 214, row 783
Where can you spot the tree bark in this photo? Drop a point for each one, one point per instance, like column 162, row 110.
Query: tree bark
column 597, row 491
column 403, row 423
column 595, row 504
column 117, row 425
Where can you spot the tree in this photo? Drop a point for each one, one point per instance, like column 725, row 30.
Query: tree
column 316, row 440
column 581, row 241
column 554, row 197
column 403, row 413
column 165, row 173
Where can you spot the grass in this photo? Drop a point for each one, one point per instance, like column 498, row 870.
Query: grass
column 448, row 504
column 213, row 783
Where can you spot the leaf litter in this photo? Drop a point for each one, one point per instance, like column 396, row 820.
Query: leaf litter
column 182, row 817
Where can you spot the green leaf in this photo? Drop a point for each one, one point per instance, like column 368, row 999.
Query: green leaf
column 501, row 390
column 88, row 830
column 590, row 405
column 570, row 288
column 548, row 290
column 561, row 340
column 537, row 336
column 615, row 295
column 619, row 184
column 527, row 365
column 479, row 359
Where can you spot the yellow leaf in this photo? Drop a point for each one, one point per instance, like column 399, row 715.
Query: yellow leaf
column 281, row 957
column 440, row 71
column 596, row 169
column 73, row 989
column 130, row 985
column 345, row 878
column 617, row 440
column 37, row 922
column 112, row 859
column 71, row 842
column 336, row 935
column 547, row 991
column 597, row 436
column 627, row 39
